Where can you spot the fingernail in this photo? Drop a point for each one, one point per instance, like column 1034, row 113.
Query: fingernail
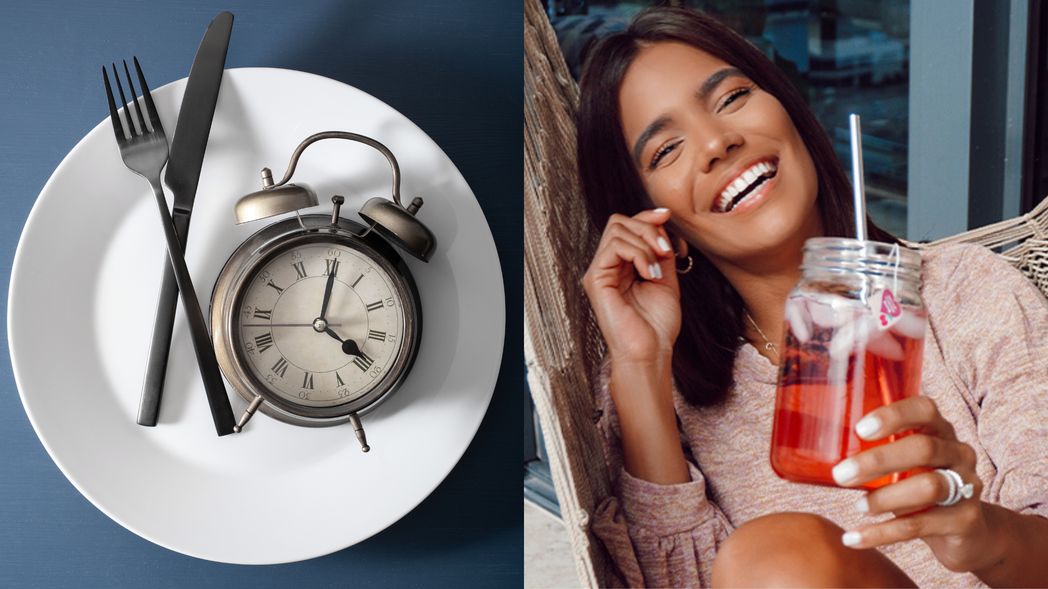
column 862, row 505
column 664, row 244
column 851, row 538
column 661, row 210
column 653, row 271
column 658, row 271
column 867, row 427
column 844, row 472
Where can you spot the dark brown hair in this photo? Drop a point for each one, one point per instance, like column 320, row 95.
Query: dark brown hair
column 712, row 324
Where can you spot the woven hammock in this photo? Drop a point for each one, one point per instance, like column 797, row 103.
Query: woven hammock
column 562, row 345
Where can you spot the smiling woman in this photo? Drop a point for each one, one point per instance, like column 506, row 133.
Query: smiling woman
column 672, row 112
column 707, row 174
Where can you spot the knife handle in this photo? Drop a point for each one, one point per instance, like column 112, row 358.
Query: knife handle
column 210, row 373
column 163, row 327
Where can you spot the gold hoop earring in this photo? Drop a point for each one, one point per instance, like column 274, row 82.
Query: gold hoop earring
column 691, row 263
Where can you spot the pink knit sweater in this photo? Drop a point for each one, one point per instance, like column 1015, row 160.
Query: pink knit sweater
column 985, row 365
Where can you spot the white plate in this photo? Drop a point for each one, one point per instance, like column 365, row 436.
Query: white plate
column 81, row 305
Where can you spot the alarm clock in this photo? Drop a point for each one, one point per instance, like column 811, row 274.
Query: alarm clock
column 316, row 319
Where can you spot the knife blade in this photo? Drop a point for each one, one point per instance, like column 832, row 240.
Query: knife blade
column 182, row 176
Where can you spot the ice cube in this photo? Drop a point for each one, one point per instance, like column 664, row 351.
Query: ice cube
column 828, row 310
column 798, row 318
column 910, row 324
column 848, row 337
column 825, row 313
column 882, row 343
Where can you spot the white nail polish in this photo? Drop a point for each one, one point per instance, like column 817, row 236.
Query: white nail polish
column 660, row 210
column 867, row 427
column 664, row 244
column 845, row 471
column 851, row 538
column 657, row 270
column 862, row 505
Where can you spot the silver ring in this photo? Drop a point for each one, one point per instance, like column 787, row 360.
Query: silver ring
column 958, row 488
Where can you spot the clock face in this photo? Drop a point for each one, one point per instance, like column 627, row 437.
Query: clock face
column 308, row 354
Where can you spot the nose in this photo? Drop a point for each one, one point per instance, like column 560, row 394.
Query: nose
column 716, row 144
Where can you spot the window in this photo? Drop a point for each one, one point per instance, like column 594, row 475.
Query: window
column 844, row 56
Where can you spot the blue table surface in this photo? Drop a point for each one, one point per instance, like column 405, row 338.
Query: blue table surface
column 454, row 67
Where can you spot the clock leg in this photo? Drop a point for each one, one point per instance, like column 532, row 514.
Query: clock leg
column 248, row 413
column 359, row 430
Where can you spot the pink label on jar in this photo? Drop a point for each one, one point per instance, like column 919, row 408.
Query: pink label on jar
column 888, row 310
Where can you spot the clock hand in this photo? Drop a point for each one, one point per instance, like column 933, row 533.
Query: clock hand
column 332, row 333
column 349, row 347
column 327, row 294
column 287, row 325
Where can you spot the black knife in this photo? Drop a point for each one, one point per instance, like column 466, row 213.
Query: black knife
column 183, row 173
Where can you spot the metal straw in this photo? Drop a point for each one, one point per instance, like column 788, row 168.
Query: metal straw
column 858, row 182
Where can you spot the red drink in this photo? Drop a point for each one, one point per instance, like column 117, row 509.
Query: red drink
column 838, row 365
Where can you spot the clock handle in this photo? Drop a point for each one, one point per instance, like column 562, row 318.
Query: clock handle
column 248, row 413
column 394, row 166
column 359, row 430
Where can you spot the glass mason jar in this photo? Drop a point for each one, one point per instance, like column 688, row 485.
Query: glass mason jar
column 854, row 342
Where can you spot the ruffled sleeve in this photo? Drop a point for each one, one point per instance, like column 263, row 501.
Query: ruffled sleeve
column 993, row 329
column 657, row 535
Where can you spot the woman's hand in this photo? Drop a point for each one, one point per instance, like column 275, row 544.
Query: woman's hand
column 961, row 536
column 632, row 285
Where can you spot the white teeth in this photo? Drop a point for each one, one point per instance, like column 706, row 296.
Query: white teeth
column 739, row 184
column 744, row 180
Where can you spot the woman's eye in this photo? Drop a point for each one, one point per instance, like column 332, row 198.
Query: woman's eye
column 735, row 95
column 662, row 153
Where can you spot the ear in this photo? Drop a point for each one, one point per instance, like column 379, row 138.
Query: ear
column 680, row 247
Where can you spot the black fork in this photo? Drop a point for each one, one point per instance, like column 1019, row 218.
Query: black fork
column 145, row 152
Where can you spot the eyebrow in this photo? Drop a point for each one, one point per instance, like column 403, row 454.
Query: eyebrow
column 714, row 80
column 650, row 131
column 702, row 94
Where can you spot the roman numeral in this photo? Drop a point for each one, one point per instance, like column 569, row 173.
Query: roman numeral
column 338, row 377
column 300, row 268
column 375, row 305
column 264, row 342
column 377, row 335
column 280, row 367
column 355, row 282
column 307, row 381
column 270, row 283
column 363, row 361
column 331, row 266
column 263, row 314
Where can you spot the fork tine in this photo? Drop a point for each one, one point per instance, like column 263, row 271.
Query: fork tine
column 131, row 130
column 118, row 126
column 134, row 98
column 147, row 97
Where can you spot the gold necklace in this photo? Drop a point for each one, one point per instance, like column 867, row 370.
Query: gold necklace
column 767, row 343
